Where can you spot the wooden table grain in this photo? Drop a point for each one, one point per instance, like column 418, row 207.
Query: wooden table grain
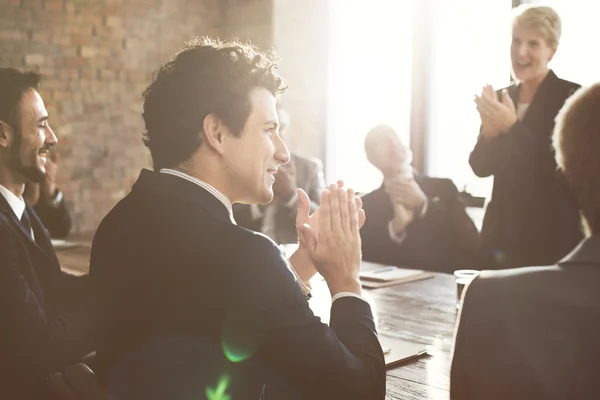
column 421, row 312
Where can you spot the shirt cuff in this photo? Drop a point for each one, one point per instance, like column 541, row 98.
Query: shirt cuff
column 56, row 199
column 304, row 286
column 345, row 294
column 398, row 238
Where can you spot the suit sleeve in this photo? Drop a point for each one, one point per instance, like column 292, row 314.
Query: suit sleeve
column 343, row 360
column 445, row 238
column 479, row 351
column 36, row 341
column 519, row 143
column 55, row 218
column 73, row 290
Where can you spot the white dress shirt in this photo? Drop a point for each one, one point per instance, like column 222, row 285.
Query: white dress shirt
column 16, row 204
column 521, row 110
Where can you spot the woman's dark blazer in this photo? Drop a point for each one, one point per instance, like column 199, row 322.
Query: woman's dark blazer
column 532, row 218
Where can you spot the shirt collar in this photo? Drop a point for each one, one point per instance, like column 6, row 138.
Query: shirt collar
column 17, row 204
column 210, row 189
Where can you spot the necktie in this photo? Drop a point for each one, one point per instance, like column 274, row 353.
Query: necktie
column 26, row 222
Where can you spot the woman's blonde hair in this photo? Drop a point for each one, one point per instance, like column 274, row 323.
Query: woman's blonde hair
column 544, row 19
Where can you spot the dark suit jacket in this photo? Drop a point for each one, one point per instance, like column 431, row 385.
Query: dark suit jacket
column 42, row 309
column 532, row 219
column 55, row 218
column 531, row 333
column 187, row 299
column 444, row 239
column 309, row 177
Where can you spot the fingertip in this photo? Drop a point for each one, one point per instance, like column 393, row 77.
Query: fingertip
column 358, row 201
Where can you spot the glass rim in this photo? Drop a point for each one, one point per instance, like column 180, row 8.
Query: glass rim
column 466, row 273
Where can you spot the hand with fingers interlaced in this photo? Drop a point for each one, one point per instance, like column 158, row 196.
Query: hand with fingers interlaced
column 334, row 246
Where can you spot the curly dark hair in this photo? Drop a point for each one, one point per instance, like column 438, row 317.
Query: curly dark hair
column 13, row 85
column 576, row 142
column 208, row 76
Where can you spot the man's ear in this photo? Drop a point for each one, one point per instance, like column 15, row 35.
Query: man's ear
column 215, row 132
column 6, row 133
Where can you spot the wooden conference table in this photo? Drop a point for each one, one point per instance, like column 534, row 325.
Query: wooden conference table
column 421, row 312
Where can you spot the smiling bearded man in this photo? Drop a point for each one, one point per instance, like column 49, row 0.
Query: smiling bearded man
column 42, row 309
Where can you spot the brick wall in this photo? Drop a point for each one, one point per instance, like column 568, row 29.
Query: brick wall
column 97, row 57
column 249, row 20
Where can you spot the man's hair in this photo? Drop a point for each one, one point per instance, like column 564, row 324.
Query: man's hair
column 576, row 142
column 13, row 85
column 207, row 77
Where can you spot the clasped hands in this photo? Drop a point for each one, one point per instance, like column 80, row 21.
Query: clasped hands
column 408, row 199
column 329, row 239
column 496, row 116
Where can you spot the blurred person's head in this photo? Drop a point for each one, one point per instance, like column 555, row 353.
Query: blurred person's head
column 576, row 142
column 386, row 151
column 536, row 34
column 284, row 120
column 25, row 134
column 211, row 111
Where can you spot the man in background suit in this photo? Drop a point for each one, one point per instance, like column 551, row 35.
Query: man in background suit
column 413, row 221
column 277, row 219
column 531, row 333
column 190, row 304
column 48, row 201
column 42, row 315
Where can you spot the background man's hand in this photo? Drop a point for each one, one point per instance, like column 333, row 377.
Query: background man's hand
column 285, row 187
column 408, row 193
column 48, row 184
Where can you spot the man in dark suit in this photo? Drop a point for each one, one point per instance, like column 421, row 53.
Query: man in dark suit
column 277, row 219
column 41, row 308
column 190, row 304
column 531, row 333
column 413, row 221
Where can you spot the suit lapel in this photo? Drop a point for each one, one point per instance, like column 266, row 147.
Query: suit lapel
column 42, row 239
column 38, row 230
column 544, row 105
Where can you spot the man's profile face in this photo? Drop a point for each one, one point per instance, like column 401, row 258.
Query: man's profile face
column 31, row 140
column 252, row 158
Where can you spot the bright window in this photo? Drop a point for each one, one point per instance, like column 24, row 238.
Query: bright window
column 470, row 46
column 369, row 83
column 576, row 59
